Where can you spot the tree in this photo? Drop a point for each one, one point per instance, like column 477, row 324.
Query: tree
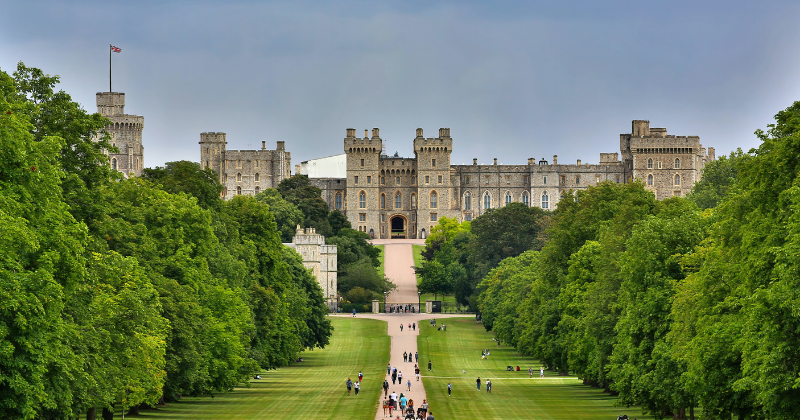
column 718, row 177
column 188, row 177
column 308, row 198
column 287, row 215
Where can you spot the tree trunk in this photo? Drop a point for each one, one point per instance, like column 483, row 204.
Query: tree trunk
column 691, row 412
column 133, row 411
column 108, row 414
column 91, row 414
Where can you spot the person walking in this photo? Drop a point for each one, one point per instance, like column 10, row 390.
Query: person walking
column 354, row 312
column 388, row 368
column 409, row 385
column 488, row 386
column 449, row 389
column 394, row 377
column 400, row 378
column 530, row 372
column 405, row 357
column 349, row 384
column 541, row 372
column 358, row 388
column 416, row 357
column 401, row 327
column 360, row 376
column 478, row 383
column 414, row 326
column 410, row 357
column 429, row 366
column 385, row 388
column 430, row 416
column 385, row 405
column 416, row 372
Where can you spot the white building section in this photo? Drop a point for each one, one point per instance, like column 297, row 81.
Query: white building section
column 327, row 167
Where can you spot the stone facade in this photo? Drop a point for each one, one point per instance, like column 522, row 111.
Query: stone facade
column 404, row 197
column 320, row 258
column 125, row 131
column 245, row 172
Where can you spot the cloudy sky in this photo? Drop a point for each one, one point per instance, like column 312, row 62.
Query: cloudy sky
column 512, row 79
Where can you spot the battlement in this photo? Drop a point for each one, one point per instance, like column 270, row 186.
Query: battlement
column 110, row 103
column 443, row 143
column 212, row 137
column 353, row 144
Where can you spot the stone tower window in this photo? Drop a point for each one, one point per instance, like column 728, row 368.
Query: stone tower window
column 467, row 201
column 338, row 201
column 257, row 164
column 659, row 165
column 238, row 163
column 577, row 180
column 258, row 189
column 677, row 163
column 413, row 201
column 526, row 199
column 434, row 200
column 362, row 200
column 433, row 163
column 487, row 201
column 508, row 197
column 362, row 163
column 649, row 163
column 677, row 180
column 208, row 165
column 508, row 179
column 617, row 179
column 238, row 190
column 397, row 180
column 398, row 200
column 383, row 180
column 440, row 179
column 427, row 179
column 563, row 180
column 239, row 177
column 225, row 178
column 434, row 217
column 369, row 179
column 466, row 180
column 649, row 179
column 525, row 180
column 114, row 164
column 355, row 180
column 383, row 201
column 545, row 201
column 544, row 181
column 413, row 180
column 256, row 177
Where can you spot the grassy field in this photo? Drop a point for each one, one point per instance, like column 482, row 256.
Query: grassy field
column 312, row 389
column 382, row 267
column 514, row 395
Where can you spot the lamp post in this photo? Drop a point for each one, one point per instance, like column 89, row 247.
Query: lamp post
column 419, row 301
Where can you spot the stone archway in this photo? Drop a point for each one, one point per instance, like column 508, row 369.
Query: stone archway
column 398, row 227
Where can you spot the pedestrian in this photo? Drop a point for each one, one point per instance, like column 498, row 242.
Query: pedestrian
column 530, row 372
column 400, row 378
column 410, row 357
column 416, row 372
column 405, row 357
column 409, row 385
column 401, row 327
column 430, row 416
column 349, row 384
column 449, row 389
column 488, row 386
column 358, row 388
column 394, row 377
column 385, row 388
column 360, row 376
column 541, row 372
column 354, row 312
column 385, row 405
column 414, row 326
column 409, row 325
column 388, row 369
column 429, row 366
column 416, row 357
column 478, row 383
column 403, row 402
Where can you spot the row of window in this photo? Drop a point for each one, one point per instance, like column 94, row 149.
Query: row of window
column 238, row 191
column 136, row 164
column 434, row 200
column 676, row 164
column 676, row 180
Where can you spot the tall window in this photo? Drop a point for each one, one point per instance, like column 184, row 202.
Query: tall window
column 427, row 179
column 114, row 164
column 577, row 180
column 383, row 180
column 526, row 199
column 544, row 181
column 256, row 177
column 434, row 200
column 649, row 163
column 369, row 179
column 338, row 204
column 433, row 163
column 238, row 190
column 362, row 200
column 362, row 162
column 508, row 197
column 649, row 179
column 677, row 180
column 468, row 217
column 398, row 200
column 440, row 179
column 258, row 190
column 413, row 201
column 383, row 201
column 466, row 180
column 397, row 180
column 355, row 180
column 677, row 163
column 467, row 201
column 413, row 180
column 239, row 177
column 487, row 201
column 545, row 201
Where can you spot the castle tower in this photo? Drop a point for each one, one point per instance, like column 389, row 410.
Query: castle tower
column 125, row 131
column 433, row 168
column 212, row 152
column 363, row 168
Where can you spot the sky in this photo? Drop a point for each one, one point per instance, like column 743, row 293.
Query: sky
column 511, row 79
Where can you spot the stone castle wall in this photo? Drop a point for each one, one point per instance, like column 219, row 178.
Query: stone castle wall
column 245, row 172
column 125, row 131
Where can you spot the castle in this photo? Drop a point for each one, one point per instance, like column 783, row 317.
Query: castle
column 125, row 132
column 320, row 258
column 396, row 197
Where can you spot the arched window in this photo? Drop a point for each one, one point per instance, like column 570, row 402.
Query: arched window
column 526, row 199
column 466, row 180
column 258, row 189
column 677, row 163
column 467, row 201
column 649, row 163
column 677, row 180
column 413, row 180
column 256, row 177
column 508, row 197
column 383, row 180
column 434, row 200
column 487, row 201
column 338, row 204
column 114, row 164
column 577, row 180
column 545, row 201
column 239, row 177
column 397, row 180
column 383, row 201
column 649, row 179
column 413, row 201
column 362, row 200
column 398, row 200
column 238, row 190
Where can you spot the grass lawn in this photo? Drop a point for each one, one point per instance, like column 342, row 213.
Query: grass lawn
column 381, row 268
column 514, row 395
column 312, row 389
column 417, row 251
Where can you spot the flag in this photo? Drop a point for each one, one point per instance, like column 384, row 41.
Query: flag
column 115, row 49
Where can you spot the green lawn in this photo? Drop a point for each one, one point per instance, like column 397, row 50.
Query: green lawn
column 381, row 268
column 417, row 251
column 312, row 389
column 514, row 395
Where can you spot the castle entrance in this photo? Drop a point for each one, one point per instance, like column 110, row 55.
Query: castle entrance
column 398, row 227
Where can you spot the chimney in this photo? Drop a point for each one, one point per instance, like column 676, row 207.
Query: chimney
column 263, row 145
column 419, row 133
column 376, row 133
column 579, row 162
column 474, row 161
column 280, row 145
column 351, row 133
column 366, row 133
column 531, row 161
column 495, row 161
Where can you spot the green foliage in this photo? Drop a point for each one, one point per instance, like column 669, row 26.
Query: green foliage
column 188, row 177
column 287, row 215
column 362, row 274
column 308, row 199
column 718, row 177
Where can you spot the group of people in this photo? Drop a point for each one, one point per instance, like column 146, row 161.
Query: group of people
column 411, row 325
column 478, row 383
column 402, row 309
column 394, row 402
column 354, row 385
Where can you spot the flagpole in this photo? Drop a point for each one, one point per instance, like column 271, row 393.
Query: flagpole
column 109, row 68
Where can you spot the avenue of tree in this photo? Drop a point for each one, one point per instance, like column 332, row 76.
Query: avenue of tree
column 673, row 305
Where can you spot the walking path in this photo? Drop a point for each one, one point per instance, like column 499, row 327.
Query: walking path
column 398, row 260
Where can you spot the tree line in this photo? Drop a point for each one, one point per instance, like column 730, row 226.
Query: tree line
column 118, row 293
column 686, row 307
